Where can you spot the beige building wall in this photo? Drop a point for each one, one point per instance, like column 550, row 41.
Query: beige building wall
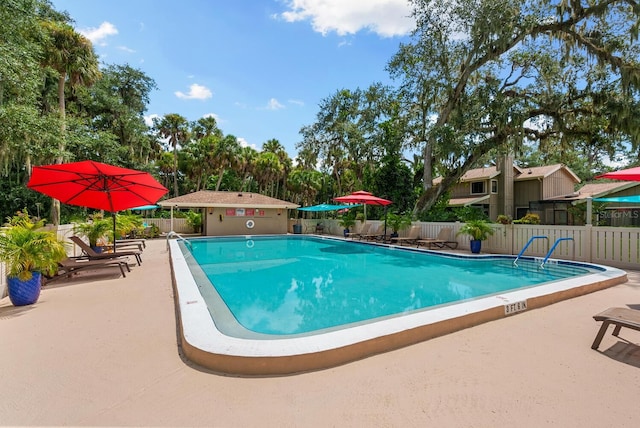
column 558, row 184
column 265, row 221
column 525, row 191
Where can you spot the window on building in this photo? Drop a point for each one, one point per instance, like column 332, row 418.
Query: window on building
column 477, row 188
column 494, row 186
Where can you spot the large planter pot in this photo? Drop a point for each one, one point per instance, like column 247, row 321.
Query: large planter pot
column 23, row 293
column 476, row 245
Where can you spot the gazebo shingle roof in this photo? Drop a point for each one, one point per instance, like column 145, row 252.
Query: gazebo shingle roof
column 208, row 198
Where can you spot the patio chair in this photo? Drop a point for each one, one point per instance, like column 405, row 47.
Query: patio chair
column 92, row 255
column 72, row 265
column 619, row 317
column 364, row 231
column 377, row 236
column 442, row 240
column 142, row 241
column 125, row 245
column 411, row 238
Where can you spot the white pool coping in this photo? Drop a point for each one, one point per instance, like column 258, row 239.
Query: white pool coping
column 200, row 334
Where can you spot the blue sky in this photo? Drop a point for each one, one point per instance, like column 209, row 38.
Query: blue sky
column 261, row 67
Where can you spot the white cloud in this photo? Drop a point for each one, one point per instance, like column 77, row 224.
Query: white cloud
column 273, row 104
column 97, row 35
column 216, row 117
column 296, row 102
column 196, row 92
column 149, row 119
column 245, row 143
column 126, row 49
column 387, row 18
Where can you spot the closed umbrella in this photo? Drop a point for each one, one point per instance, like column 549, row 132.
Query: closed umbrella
column 97, row 185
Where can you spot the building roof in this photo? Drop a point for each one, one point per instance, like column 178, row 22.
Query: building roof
column 475, row 174
column 208, row 198
column 536, row 172
column 597, row 190
column 521, row 174
column 463, row 202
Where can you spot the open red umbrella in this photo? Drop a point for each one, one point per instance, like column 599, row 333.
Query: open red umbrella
column 630, row 174
column 97, row 185
column 366, row 198
column 362, row 197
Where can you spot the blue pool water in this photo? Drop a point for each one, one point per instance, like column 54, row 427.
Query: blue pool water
column 298, row 284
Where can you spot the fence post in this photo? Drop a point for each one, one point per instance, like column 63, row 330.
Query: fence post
column 587, row 248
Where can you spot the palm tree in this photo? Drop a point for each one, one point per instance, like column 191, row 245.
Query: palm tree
column 247, row 165
column 227, row 155
column 174, row 128
column 268, row 169
column 204, row 127
column 71, row 55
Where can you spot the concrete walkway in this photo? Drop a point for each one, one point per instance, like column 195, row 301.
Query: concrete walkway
column 102, row 350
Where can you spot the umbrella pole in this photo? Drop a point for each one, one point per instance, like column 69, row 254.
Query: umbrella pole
column 385, row 222
column 114, row 231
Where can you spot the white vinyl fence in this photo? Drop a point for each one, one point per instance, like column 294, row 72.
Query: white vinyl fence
column 612, row 246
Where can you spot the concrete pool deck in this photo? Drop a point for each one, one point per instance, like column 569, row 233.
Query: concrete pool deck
column 102, row 350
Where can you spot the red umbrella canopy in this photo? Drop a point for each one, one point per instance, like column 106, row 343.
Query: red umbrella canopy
column 362, row 197
column 631, row 174
column 96, row 185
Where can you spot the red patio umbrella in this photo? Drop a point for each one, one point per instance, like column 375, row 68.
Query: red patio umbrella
column 630, row 174
column 366, row 198
column 97, row 185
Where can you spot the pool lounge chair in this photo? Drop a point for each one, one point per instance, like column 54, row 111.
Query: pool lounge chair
column 619, row 317
column 71, row 265
column 364, row 231
column 378, row 235
column 411, row 238
column 92, row 255
column 124, row 246
column 142, row 241
column 442, row 241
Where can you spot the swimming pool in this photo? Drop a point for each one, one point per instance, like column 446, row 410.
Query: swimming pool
column 297, row 303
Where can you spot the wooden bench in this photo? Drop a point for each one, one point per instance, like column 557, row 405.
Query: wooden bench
column 620, row 317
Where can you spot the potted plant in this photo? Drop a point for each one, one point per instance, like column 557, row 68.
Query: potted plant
column 478, row 230
column 347, row 221
column 28, row 251
column 94, row 230
column 398, row 222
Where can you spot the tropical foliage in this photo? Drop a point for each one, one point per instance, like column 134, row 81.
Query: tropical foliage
column 95, row 230
column 478, row 230
column 550, row 81
column 26, row 248
column 398, row 222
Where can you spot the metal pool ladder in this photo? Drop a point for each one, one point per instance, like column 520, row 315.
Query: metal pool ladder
column 172, row 233
column 533, row 238
column 555, row 244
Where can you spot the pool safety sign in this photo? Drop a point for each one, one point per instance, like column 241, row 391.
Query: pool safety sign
column 512, row 308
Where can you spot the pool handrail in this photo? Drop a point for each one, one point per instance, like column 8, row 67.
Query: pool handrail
column 555, row 244
column 173, row 233
column 533, row 238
